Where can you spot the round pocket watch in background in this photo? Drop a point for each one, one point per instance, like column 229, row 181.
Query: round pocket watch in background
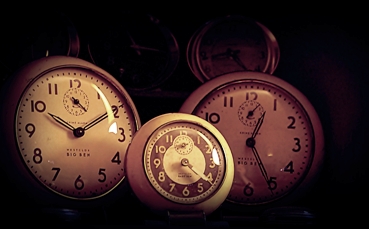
column 66, row 125
column 41, row 34
column 274, row 133
column 136, row 48
column 179, row 163
column 232, row 43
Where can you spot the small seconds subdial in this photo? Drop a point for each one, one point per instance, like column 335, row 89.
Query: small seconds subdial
column 76, row 101
column 183, row 144
column 249, row 112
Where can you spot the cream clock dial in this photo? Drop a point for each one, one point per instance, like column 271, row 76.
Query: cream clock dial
column 274, row 133
column 179, row 162
column 67, row 125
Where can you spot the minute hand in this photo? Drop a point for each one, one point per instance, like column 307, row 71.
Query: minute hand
column 96, row 121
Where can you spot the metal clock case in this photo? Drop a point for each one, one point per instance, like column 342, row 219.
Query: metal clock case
column 232, row 43
column 136, row 48
column 274, row 133
column 179, row 163
column 66, row 125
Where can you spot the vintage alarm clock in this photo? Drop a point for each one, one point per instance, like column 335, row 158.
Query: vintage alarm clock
column 232, row 43
column 275, row 135
column 179, row 165
column 66, row 125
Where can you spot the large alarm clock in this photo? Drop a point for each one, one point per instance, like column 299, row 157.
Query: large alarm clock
column 274, row 132
column 179, row 164
column 66, row 125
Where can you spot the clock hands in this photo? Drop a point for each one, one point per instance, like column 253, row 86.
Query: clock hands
column 250, row 142
column 80, row 131
column 233, row 55
column 61, row 121
column 76, row 102
column 186, row 162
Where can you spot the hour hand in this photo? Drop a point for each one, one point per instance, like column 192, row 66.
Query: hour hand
column 186, row 162
column 61, row 121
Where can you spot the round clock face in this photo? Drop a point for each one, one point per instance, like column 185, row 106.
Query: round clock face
column 72, row 127
column 273, row 131
column 186, row 164
column 136, row 48
column 183, row 163
column 229, row 44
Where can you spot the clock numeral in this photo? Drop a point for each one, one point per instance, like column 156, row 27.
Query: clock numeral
column 37, row 158
column 115, row 111
column 51, row 89
column 157, row 162
column 161, row 176
column 169, row 138
column 212, row 164
column 182, row 132
column 78, row 183
column 56, row 173
column 225, row 103
column 292, row 124
column 116, row 158
column 251, row 96
column 122, row 134
column 38, row 106
column 185, row 191
column 213, row 118
column 75, row 81
column 160, row 149
column 289, row 167
column 200, row 187
column 210, row 177
column 298, row 146
column 272, row 184
column 102, row 173
column 248, row 190
column 172, row 186
column 30, row 129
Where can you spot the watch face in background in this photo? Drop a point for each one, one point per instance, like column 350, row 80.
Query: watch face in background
column 136, row 48
column 229, row 44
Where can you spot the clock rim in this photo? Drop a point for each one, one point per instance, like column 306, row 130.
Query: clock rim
column 17, row 173
column 190, row 104
column 143, row 189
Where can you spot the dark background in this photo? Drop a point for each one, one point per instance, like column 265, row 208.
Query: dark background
column 323, row 54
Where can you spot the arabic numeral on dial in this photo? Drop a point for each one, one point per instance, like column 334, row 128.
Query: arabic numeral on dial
column 185, row 191
column 169, row 138
column 200, row 187
column 38, row 106
column 157, row 162
column 160, row 149
column 248, row 190
column 292, row 124
column 251, row 96
column 298, row 146
column 73, row 82
column 122, row 134
column 115, row 111
column 161, row 176
column 56, row 173
column 212, row 118
column 116, row 158
column 289, row 167
column 51, row 89
column 37, row 158
column 78, row 183
column 272, row 184
column 30, row 129
column 228, row 103
column 102, row 174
